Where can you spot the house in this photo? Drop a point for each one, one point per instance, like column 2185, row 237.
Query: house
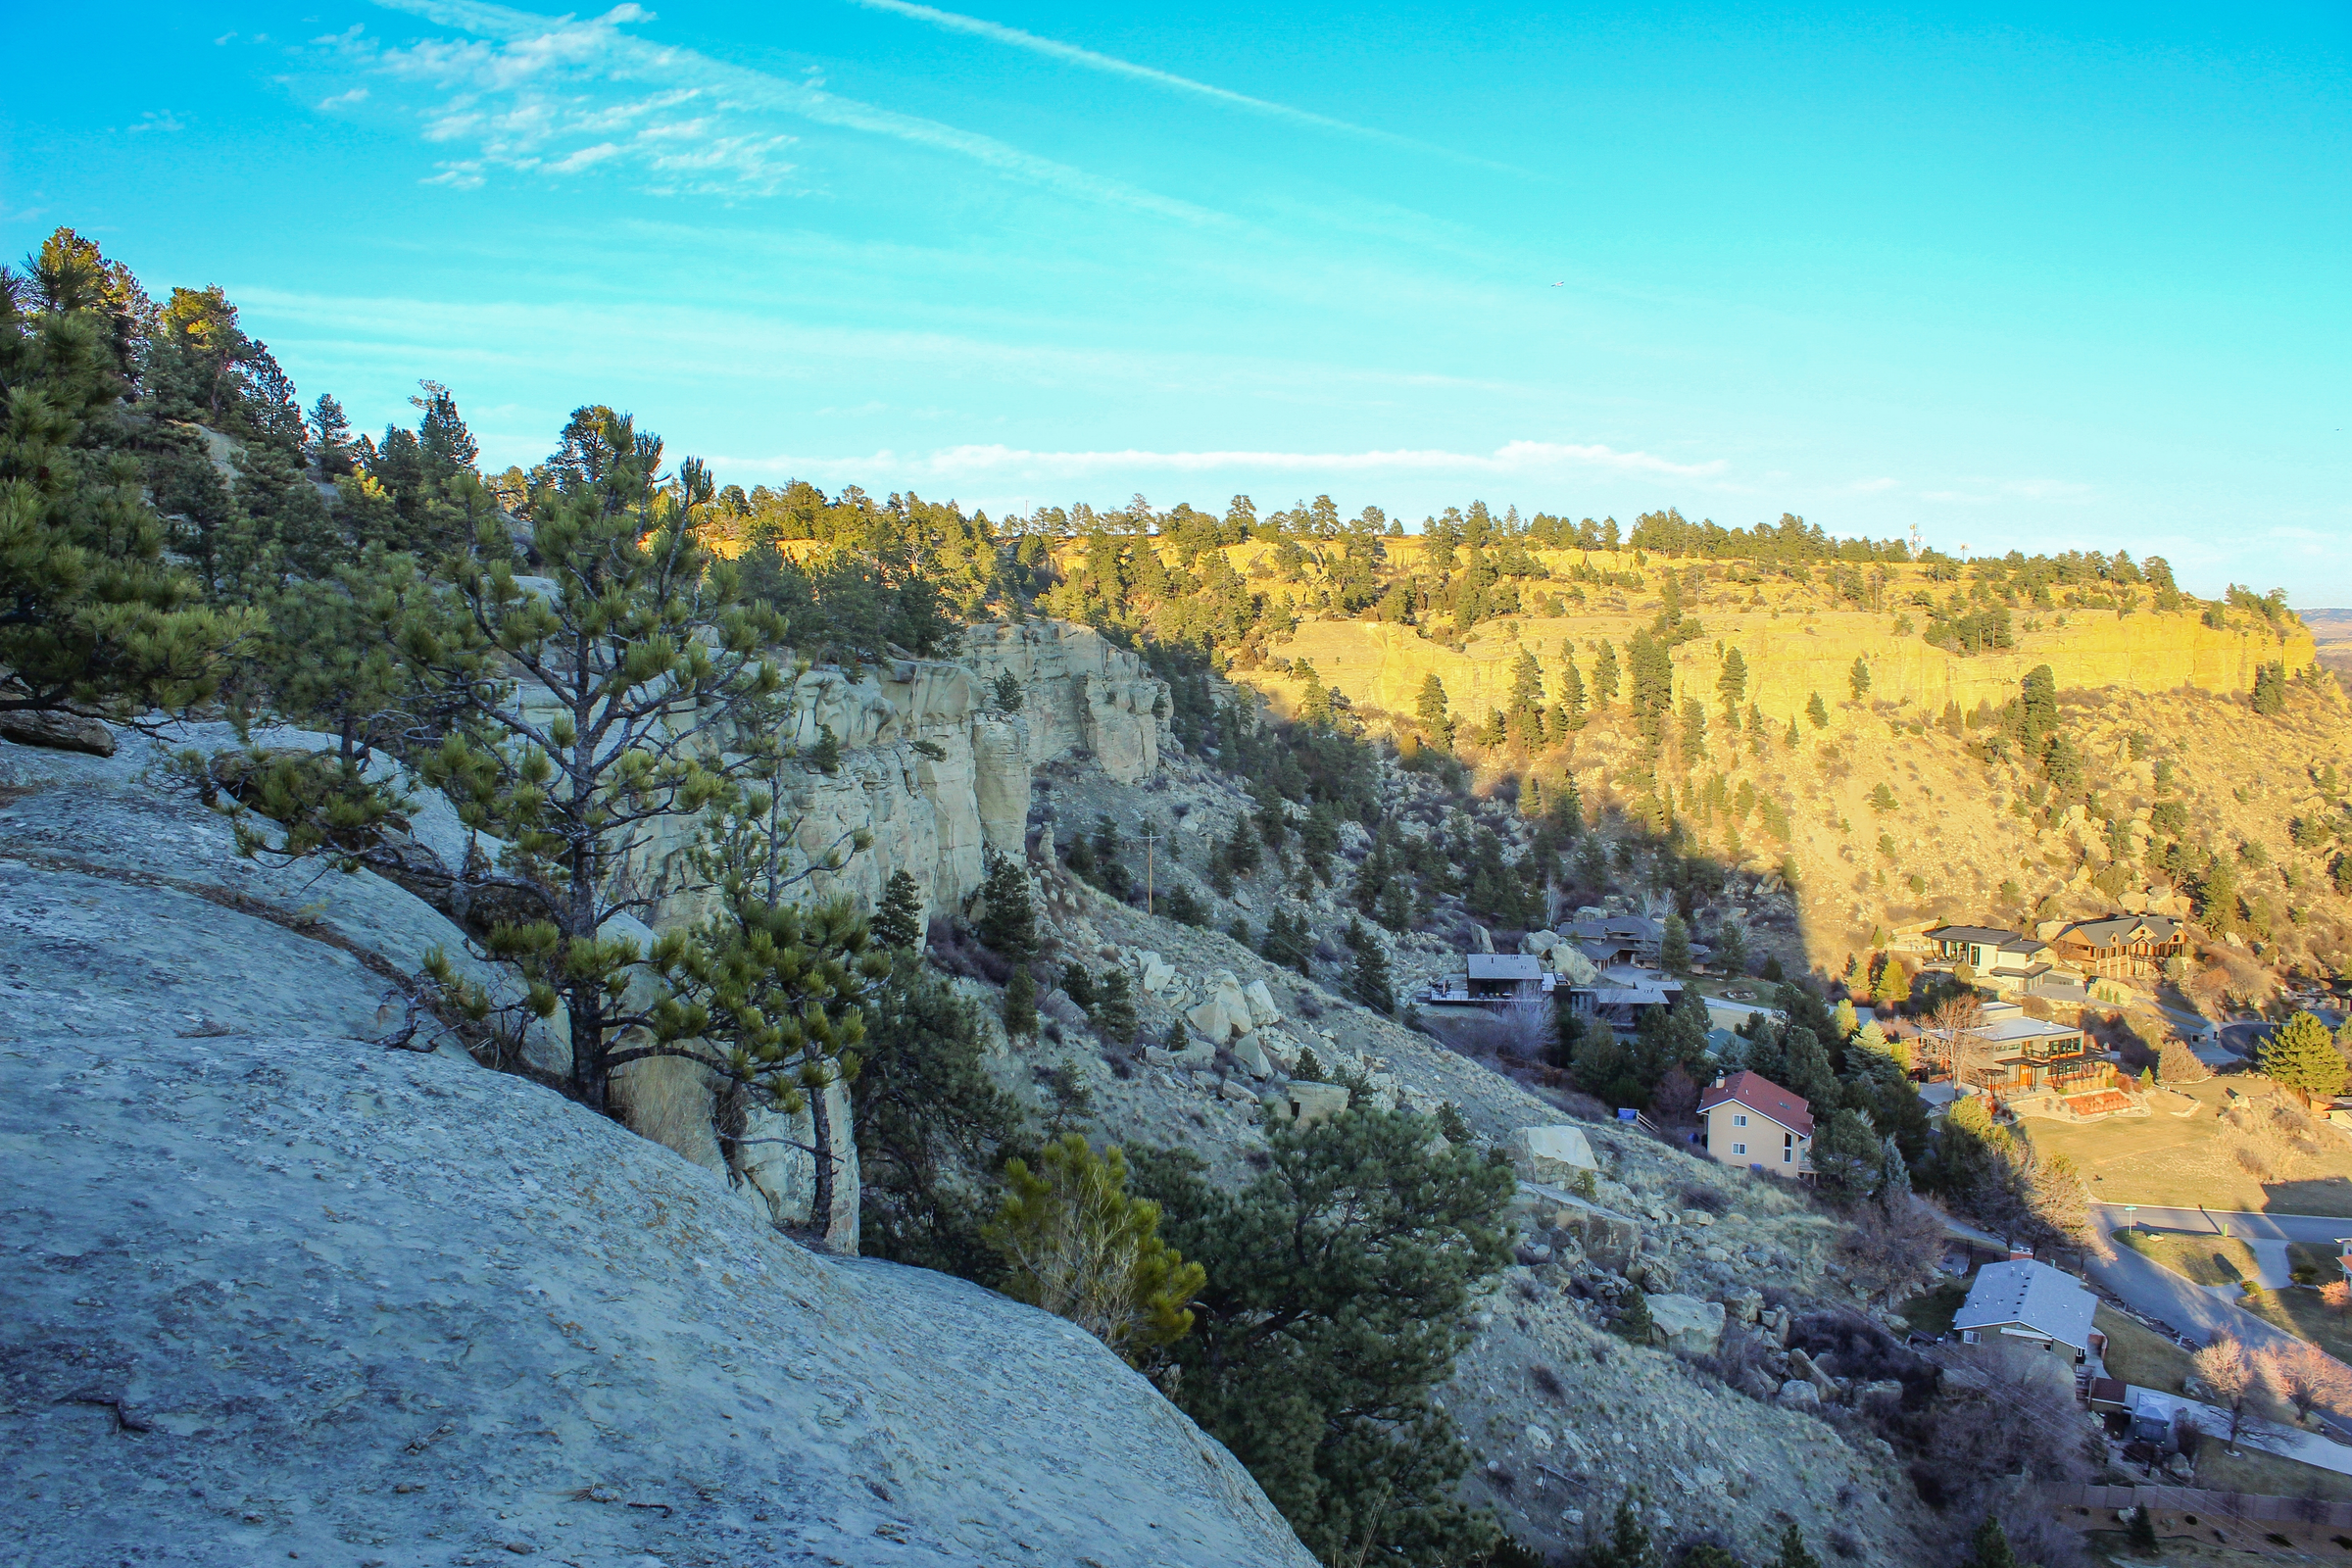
column 2006, row 960
column 1618, row 940
column 2032, row 1304
column 1619, row 997
column 1492, row 980
column 2030, row 1056
column 2128, row 946
column 1752, row 1121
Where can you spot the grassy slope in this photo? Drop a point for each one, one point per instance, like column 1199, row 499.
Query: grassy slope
column 1958, row 825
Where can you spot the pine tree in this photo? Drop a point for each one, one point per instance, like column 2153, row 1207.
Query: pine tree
column 1730, row 684
column 1007, row 919
column 2140, row 1534
column 1572, row 691
column 1674, row 947
column 330, row 447
column 927, row 1111
column 646, row 662
column 825, row 756
column 1793, row 1552
column 1114, row 1013
column 766, row 993
column 1817, row 711
column 1008, row 693
column 1989, row 1547
column 97, row 621
column 1430, row 708
column 1633, row 1322
column 2270, row 688
column 1337, row 1283
column 1021, row 1002
column 1604, row 675
column 898, row 923
column 1858, row 678
column 2300, row 1054
column 2037, row 710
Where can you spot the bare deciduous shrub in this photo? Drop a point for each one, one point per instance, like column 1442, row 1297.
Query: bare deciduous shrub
column 2253, row 1161
column 1546, row 1381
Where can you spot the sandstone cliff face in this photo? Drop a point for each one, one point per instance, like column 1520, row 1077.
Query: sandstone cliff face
column 1079, row 692
column 280, row 1293
column 936, row 817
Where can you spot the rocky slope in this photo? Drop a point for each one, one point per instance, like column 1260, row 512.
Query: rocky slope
column 277, row 1291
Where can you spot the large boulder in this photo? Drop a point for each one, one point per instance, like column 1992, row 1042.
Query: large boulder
column 1250, row 1055
column 279, row 1293
column 1225, row 1013
column 1687, row 1325
column 1308, row 1104
column 1552, row 1153
column 1610, row 1239
column 1153, row 973
column 65, row 732
column 1260, row 1000
column 1572, row 965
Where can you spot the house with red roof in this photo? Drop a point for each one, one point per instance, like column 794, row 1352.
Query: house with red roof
column 1752, row 1121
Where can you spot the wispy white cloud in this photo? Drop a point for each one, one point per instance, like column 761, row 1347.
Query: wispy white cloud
column 344, row 100
column 163, row 119
column 989, row 463
column 557, row 95
column 1055, row 48
column 1866, row 487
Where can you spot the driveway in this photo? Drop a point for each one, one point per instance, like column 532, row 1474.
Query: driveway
column 2246, row 1038
column 2197, row 1312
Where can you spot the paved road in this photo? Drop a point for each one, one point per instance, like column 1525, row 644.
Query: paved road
column 2234, row 1222
column 2199, row 1313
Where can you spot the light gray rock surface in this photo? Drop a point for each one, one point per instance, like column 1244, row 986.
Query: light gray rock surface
column 271, row 1292
column 1687, row 1325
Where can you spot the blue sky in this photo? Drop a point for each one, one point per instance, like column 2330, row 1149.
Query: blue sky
column 2017, row 277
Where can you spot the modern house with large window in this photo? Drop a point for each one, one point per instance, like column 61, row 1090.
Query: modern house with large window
column 2006, row 960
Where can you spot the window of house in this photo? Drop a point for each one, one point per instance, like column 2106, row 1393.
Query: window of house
column 1739, row 1121
column 1739, row 1148
column 1788, row 1147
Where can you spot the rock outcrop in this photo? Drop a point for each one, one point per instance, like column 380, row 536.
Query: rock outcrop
column 1078, row 692
column 277, row 1293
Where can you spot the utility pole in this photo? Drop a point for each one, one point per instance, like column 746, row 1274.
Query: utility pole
column 1151, row 837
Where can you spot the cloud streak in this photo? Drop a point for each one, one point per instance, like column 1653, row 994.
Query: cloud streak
column 976, row 462
column 558, row 95
column 1112, row 64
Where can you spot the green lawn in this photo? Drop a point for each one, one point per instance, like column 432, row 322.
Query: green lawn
column 2138, row 1353
column 2302, row 1313
column 1931, row 1311
column 2266, row 1475
column 2205, row 1259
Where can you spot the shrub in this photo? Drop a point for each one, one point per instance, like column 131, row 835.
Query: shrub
column 1078, row 1245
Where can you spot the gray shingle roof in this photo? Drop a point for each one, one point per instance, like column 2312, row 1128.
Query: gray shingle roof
column 2030, row 1295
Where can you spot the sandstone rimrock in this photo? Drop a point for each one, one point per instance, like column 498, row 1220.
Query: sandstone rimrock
column 1077, row 691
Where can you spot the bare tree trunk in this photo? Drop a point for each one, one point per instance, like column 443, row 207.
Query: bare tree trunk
column 820, row 1126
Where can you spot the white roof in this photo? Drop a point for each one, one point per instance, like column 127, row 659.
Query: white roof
column 2030, row 1295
